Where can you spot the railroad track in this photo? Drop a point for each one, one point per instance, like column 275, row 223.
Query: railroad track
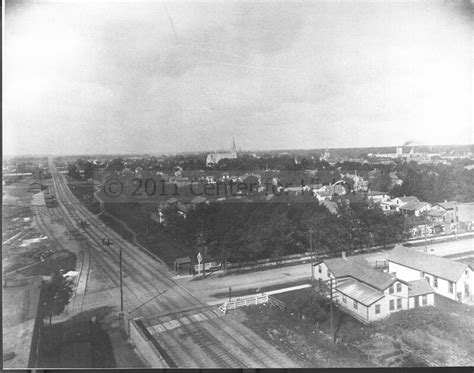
column 145, row 277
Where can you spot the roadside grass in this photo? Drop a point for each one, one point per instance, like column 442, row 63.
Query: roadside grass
column 425, row 336
column 300, row 339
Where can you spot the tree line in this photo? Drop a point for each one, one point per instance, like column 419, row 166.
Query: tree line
column 240, row 232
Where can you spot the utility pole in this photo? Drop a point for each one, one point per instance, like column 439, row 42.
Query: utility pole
column 121, row 287
column 456, row 220
column 426, row 242
column 332, row 310
column 312, row 256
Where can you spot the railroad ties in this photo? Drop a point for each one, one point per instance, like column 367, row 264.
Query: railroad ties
column 169, row 322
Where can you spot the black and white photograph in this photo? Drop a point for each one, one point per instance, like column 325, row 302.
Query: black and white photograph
column 237, row 184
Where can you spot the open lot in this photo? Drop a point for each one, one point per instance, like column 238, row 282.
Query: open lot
column 425, row 336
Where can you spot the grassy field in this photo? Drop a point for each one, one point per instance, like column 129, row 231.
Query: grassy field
column 300, row 339
column 428, row 336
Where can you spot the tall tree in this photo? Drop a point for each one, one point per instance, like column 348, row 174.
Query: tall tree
column 56, row 295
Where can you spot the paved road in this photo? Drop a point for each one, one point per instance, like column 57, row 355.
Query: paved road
column 208, row 288
column 149, row 291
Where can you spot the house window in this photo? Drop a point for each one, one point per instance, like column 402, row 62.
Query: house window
column 435, row 282
column 355, row 305
column 392, row 305
column 344, row 299
column 399, row 287
column 424, row 300
column 320, row 269
column 399, row 304
column 390, row 290
column 377, row 308
column 427, row 279
column 451, row 287
column 328, row 274
column 417, row 302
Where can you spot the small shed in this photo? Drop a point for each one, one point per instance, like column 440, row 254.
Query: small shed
column 182, row 263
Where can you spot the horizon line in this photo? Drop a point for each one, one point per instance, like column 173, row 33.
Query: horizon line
column 242, row 151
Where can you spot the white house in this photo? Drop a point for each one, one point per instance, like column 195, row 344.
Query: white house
column 449, row 278
column 395, row 204
column 420, row 294
column 413, row 208
column 366, row 293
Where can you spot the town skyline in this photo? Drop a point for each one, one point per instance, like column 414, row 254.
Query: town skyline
column 186, row 77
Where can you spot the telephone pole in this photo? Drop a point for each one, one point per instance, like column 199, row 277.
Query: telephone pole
column 312, row 256
column 121, row 287
column 332, row 310
column 456, row 220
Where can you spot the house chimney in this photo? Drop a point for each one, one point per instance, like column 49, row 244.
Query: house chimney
column 343, row 255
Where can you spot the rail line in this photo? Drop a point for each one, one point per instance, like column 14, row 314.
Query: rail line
column 143, row 275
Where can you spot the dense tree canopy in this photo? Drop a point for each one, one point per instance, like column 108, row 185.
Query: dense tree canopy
column 241, row 231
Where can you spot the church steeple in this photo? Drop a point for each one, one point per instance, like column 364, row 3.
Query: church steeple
column 234, row 148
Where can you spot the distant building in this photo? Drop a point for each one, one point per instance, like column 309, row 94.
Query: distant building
column 326, row 156
column 214, row 158
column 414, row 208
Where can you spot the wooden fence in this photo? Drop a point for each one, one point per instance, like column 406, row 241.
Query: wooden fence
column 251, row 301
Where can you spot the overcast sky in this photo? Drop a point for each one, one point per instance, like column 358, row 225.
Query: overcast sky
column 141, row 77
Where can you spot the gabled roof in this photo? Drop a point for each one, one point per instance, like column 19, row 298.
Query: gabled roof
column 183, row 260
column 171, row 201
column 436, row 213
column 429, row 263
column 419, row 287
column 331, row 206
column 198, row 199
column 447, row 205
column 358, row 291
column 413, row 206
column 359, row 269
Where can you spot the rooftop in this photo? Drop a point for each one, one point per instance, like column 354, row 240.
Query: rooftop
column 198, row 199
column 447, row 205
column 419, row 287
column 358, row 291
column 429, row 263
column 359, row 269
column 436, row 213
column 413, row 205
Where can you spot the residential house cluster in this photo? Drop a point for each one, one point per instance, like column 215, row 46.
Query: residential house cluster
column 412, row 279
column 369, row 294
